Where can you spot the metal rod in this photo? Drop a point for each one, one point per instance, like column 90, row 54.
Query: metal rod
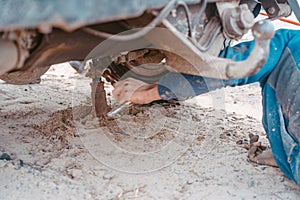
column 162, row 15
column 115, row 111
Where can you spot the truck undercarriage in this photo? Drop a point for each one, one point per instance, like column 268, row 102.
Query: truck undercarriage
column 147, row 38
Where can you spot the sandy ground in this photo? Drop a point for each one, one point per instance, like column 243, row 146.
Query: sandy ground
column 58, row 153
column 185, row 151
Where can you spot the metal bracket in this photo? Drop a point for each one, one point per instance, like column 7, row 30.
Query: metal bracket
column 277, row 8
column 195, row 62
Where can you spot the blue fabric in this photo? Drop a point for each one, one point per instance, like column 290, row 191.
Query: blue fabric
column 280, row 82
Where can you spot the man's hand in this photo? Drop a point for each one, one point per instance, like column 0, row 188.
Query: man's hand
column 135, row 91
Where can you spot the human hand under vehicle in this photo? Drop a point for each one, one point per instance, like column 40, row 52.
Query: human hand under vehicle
column 135, row 91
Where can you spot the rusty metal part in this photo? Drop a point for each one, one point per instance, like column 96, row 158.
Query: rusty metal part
column 26, row 76
column 57, row 47
column 189, row 59
column 94, row 71
column 144, row 56
column 113, row 73
column 143, row 62
column 26, row 39
column 276, row 8
column 160, row 16
column 8, row 56
column 173, row 41
column 60, row 46
column 98, row 93
column 51, row 49
column 107, row 74
column 139, row 57
column 211, row 31
column 99, row 103
column 201, row 27
column 211, row 66
column 236, row 21
column 22, row 41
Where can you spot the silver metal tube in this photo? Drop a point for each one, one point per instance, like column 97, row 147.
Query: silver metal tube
column 113, row 113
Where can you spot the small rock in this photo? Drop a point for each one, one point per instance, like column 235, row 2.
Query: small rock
column 108, row 176
column 229, row 134
column 75, row 173
column 71, row 146
column 5, row 156
column 239, row 142
column 251, row 183
column 19, row 163
column 261, row 167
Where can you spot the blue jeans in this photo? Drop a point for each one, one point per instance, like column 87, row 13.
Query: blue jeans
column 280, row 82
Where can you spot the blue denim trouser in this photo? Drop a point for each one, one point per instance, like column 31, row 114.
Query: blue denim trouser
column 280, row 82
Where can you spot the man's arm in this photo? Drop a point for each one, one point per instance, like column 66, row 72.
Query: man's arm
column 182, row 86
column 135, row 91
column 171, row 86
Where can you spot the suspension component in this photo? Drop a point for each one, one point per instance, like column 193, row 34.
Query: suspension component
column 236, row 21
column 8, row 56
column 190, row 60
column 98, row 95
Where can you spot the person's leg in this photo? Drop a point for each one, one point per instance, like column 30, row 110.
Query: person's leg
column 281, row 101
column 280, row 79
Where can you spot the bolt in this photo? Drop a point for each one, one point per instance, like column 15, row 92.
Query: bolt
column 271, row 10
